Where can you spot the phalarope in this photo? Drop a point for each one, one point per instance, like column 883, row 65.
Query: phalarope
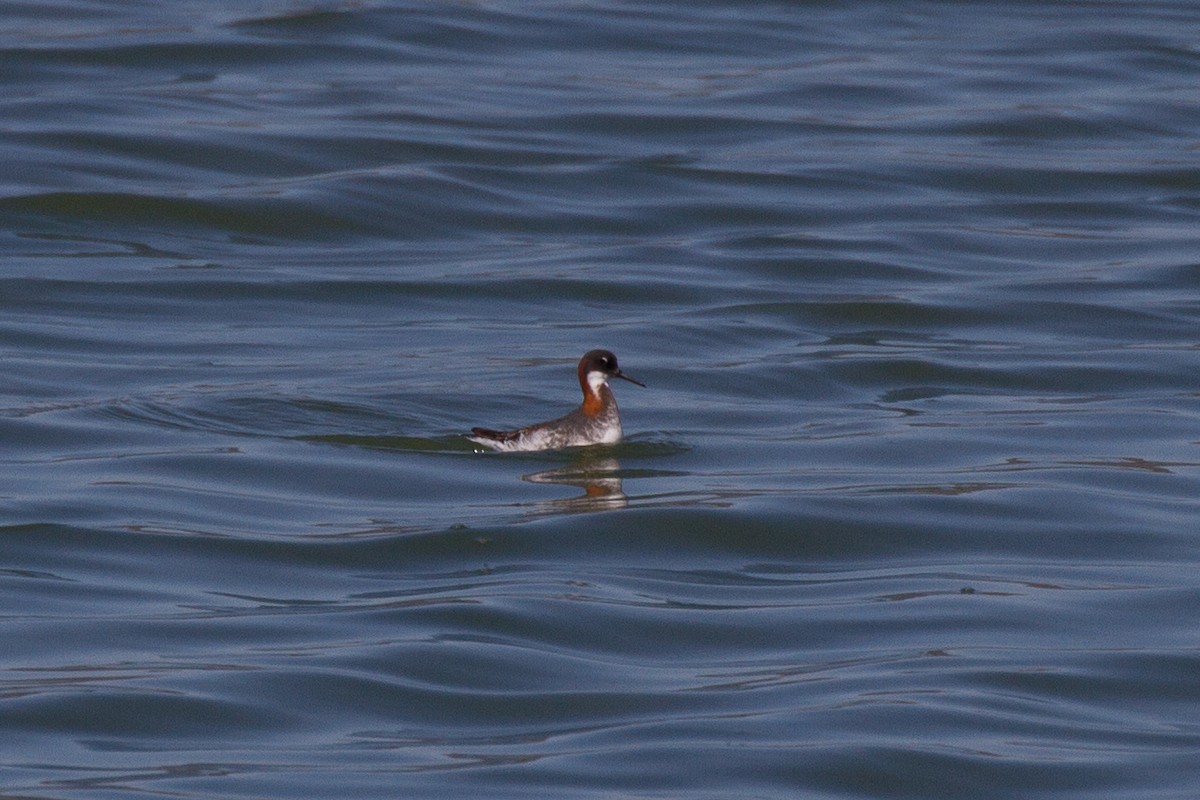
column 596, row 421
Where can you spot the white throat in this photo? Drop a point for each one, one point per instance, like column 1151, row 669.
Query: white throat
column 595, row 380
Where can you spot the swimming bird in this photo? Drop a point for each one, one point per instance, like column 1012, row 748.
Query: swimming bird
column 596, row 421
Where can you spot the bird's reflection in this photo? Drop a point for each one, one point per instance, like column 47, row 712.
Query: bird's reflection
column 600, row 479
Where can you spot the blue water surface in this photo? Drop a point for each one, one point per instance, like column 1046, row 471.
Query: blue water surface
column 908, row 507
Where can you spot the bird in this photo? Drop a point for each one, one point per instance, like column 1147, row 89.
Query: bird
column 596, row 421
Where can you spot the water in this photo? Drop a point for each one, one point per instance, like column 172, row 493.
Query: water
column 907, row 509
